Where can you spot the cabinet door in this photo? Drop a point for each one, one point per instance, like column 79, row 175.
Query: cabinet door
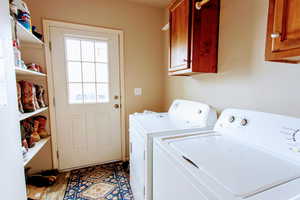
column 179, row 35
column 286, row 28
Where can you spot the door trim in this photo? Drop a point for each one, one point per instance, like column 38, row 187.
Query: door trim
column 47, row 24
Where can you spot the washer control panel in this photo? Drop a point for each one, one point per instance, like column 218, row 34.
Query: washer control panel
column 235, row 121
column 276, row 133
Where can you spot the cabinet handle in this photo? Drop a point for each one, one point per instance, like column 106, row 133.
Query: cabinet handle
column 275, row 35
column 199, row 4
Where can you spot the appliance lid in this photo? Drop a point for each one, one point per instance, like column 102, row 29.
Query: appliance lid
column 160, row 122
column 239, row 168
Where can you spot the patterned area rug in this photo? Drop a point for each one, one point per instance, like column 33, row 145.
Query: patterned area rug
column 104, row 182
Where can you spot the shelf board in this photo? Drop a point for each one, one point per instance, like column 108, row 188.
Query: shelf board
column 34, row 150
column 21, row 71
column 27, row 115
column 26, row 36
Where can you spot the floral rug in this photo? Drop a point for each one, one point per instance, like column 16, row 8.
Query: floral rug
column 103, row 182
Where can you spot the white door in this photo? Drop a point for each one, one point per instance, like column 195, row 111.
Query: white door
column 86, row 79
column 12, row 182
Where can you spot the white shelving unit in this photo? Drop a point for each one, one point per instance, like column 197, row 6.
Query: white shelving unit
column 21, row 71
column 27, row 115
column 34, row 150
column 25, row 36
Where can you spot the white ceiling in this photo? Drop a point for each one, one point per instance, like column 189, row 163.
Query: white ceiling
column 157, row 3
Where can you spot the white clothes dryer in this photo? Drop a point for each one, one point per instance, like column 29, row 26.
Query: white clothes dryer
column 183, row 116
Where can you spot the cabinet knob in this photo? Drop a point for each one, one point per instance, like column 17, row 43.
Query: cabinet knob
column 275, row 35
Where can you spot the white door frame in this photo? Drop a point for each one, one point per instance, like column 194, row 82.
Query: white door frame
column 47, row 24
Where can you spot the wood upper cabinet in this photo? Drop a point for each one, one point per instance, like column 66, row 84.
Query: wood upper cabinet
column 179, row 23
column 194, row 34
column 283, row 34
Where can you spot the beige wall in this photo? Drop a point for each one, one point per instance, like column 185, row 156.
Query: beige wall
column 244, row 80
column 143, row 40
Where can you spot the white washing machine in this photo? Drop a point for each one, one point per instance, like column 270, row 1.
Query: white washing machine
column 249, row 155
column 183, row 116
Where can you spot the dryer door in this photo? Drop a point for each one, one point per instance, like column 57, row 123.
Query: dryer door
column 170, row 182
column 137, row 164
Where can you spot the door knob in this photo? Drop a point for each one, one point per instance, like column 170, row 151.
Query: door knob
column 275, row 35
column 116, row 106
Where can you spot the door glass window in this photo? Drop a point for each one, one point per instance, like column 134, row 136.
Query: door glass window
column 88, row 73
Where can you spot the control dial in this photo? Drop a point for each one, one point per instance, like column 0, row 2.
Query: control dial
column 296, row 135
column 293, row 138
column 231, row 119
column 244, row 122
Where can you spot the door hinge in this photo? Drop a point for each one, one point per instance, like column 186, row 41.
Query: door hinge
column 57, row 154
column 130, row 147
column 50, row 46
column 144, row 155
column 54, row 103
column 144, row 191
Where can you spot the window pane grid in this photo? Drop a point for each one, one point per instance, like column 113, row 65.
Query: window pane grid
column 90, row 84
column 87, row 62
column 81, row 72
column 95, row 76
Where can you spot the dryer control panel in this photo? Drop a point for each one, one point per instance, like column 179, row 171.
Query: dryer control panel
column 275, row 133
column 194, row 113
